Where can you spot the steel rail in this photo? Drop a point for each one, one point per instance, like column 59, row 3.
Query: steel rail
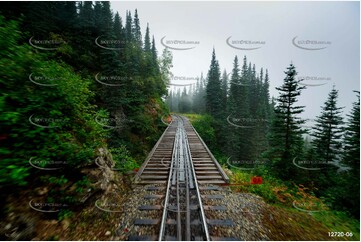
column 179, row 222
column 165, row 209
column 203, row 216
column 182, row 156
column 183, row 216
column 188, row 210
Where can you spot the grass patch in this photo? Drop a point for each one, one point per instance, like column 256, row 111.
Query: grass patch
column 289, row 222
column 339, row 222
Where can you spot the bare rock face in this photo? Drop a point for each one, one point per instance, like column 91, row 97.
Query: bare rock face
column 104, row 180
column 105, row 158
column 106, row 163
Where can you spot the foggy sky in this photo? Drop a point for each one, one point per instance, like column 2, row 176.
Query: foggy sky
column 275, row 24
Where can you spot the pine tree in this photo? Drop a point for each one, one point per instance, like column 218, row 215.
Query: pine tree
column 107, row 17
column 258, row 111
column 154, row 51
column 109, row 60
column 352, row 138
column 328, row 129
column 265, row 109
column 242, row 112
column 242, row 98
column 234, row 82
column 254, row 98
column 68, row 16
column 119, row 34
column 119, row 30
column 147, row 45
column 233, row 141
column 129, row 36
column 224, row 91
column 286, row 134
column 136, row 30
column 98, row 18
column 349, row 196
column 42, row 18
column 86, row 16
column 221, row 125
column 266, row 96
column 86, row 36
column 213, row 99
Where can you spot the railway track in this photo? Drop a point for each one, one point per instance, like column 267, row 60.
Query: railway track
column 155, row 168
column 179, row 173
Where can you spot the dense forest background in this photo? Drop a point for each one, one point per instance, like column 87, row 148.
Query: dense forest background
column 267, row 136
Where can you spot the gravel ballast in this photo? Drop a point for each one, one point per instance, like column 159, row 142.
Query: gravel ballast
column 244, row 209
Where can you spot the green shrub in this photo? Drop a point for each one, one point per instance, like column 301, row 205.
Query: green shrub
column 71, row 134
column 123, row 161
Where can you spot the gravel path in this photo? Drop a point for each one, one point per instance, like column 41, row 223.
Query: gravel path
column 244, row 209
column 135, row 200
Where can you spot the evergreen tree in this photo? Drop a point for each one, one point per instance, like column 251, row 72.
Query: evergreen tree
column 136, row 30
column 107, row 17
column 98, row 18
column 286, row 134
column 119, row 30
column 147, row 45
column 119, row 34
column 42, row 18
column 242, row 98
column 129, row 36
column 213, row 98
column 352, row 138
column 222, row 130
column 254, row 95
column 349, row 189
column 85, row 39
column 154, row 52
column 224, row 91
column 86, row 15
column 68, row 16
column 266, row 96
column 328, row 129
column 233, row 141
column 234, row 82
column 242, row 112
column 265, row 108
